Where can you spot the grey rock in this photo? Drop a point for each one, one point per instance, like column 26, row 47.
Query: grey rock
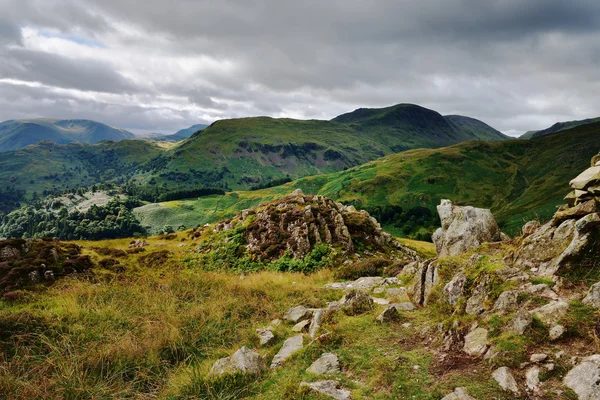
column 458, row 394
column 476, row 342
column 551, row 312
column 34, row 277
column 507, row 301
column 584, row 378
column 290, row 346
column 389, row 314
column 301, row 326
column 297, row 314
column 542, row 290
column 532, row 378
column 328, row 363
column 530, row 228
column 265, row 336
column 475, row 303
column 592, row 297
column 454, row 289
column 587, row 178
column 556, row 332
column 506, row 380
column 406, row 306
column 244, row 360
column 521, row 322
column 315, row 323
column 328, row 388
column 425, row 279
column 381, row 301
column 538, row 357
column 395, row 292
column 463, row 229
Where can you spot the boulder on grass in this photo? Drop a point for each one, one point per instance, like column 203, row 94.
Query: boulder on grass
column 244, row 360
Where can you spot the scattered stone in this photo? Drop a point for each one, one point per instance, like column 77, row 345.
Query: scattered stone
column 315, row 323
column 454, row 289
column 592, row 298
column 556, row 332
column 297, row 314
column 459, row 394
column 521, row 322
column 476, row 342
column 532, row 378
column 506, row 380
column 538, row 358
column 406, row 306
column 463, row 229
column 328, row 388
column 357, row 302
column 244, row 360
column 507, row 301
column 551, row 312
column 265, row 336
column 301, row 326
column 290, row 346
column 328, row 363
column 389, row 314
column 584, row 378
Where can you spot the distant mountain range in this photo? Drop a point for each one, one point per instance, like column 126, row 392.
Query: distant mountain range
column 559, row 126
column 16, row 134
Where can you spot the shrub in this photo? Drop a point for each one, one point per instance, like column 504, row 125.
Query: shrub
column 369, row 267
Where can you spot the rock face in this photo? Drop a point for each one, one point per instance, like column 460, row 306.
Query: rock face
column 572, row 238
column 425, row 279
column 298, row 222
column 244, row 360
column 328, row 388
column 584, row 378
column 463, row 229
column 328, row 363
column 290, row 346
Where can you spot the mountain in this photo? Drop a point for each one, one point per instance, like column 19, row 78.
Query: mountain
column 175, row 137
column 16, row 134
column 559, row 126
column 517, row 179
column 241, row 153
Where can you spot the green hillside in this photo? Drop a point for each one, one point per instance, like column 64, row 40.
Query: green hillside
column 559, row 126
column 16, row 134
column 517, row 179
column 241, row 153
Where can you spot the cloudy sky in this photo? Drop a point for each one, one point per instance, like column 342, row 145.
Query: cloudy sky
column 158, row 66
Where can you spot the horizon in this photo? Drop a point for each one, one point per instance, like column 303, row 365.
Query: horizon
column 516, row 65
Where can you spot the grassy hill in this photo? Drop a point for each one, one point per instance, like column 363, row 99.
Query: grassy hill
column 558, row 127
column 241, row 153
column 16, row 134
column 519, row 180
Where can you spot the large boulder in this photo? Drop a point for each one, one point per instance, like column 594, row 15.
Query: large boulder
column 463, row 229
column 244, row 360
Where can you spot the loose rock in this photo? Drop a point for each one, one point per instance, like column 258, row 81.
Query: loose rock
column 592, row 298
column 328, row 363
column 584, row 378
column 290, row 346
column 301, row 326
column 476, row 342
column 244, row 360
column 297, row 314
column 506, row 380
column 328, row 388
column 389, row 314
column 265, row 336
column 458, row 394
column 357, row 302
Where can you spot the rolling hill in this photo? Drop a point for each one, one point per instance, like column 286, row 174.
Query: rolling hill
column 16, row 134
column 241, row 153
column 175, row 137
column 519, row 180
column 558, row 127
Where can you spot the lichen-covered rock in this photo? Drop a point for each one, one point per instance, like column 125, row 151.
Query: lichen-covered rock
column 551, row 312
column 592, row 297
column 357, row 302
column 389, row 314
column 589, row 177
column 584, row 378
column 328, row 388
column 244, row 360
column 463, row 229
column 265, row 336
column 476, row 303
column 315, row 322
column 507, row 301
column 297, row 314
column 521, row 322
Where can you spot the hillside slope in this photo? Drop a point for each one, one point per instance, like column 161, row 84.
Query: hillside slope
column 519, row 180
column 559, row 126
column 16, row 134
column 241, row 153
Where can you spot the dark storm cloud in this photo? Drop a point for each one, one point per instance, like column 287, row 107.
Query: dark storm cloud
column 517, row 65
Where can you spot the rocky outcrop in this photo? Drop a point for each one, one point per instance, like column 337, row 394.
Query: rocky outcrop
column 425, row 279
column 390, row 314
column 572, row 238
column 463, row 229
column 244, row 360
column 297, row 223
column 454, row 289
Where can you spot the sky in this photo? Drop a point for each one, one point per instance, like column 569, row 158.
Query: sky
column 159, row 66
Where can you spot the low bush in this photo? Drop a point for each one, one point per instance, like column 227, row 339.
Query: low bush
column 369, row 267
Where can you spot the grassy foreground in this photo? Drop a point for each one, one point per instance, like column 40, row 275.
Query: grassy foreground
column 150, row 325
